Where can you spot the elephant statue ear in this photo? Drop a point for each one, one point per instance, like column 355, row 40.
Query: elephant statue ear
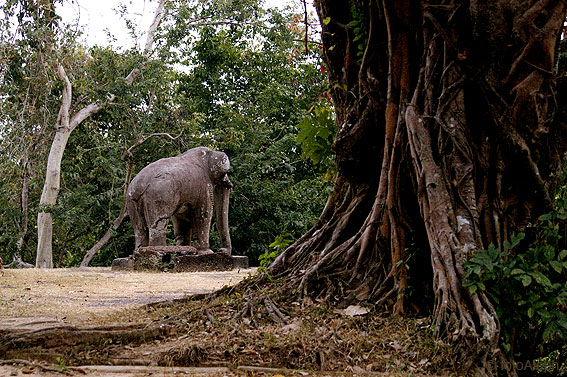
column 219, row 165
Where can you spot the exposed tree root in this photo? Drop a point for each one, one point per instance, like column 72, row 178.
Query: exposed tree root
column 68, row 336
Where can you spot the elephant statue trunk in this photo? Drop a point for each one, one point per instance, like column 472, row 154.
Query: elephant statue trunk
column 222, row 194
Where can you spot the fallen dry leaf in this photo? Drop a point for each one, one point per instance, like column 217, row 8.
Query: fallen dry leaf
column 352, row 311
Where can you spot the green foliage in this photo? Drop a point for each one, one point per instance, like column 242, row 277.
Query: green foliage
column 242, row 88
column 317, row 134
column 281, row 242
column 526, row 283
column 31, row 41
column 61, row 363
column 247, row 96
column 360, row 29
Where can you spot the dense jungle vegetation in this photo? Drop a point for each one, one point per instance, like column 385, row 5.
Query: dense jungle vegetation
column 231, row 76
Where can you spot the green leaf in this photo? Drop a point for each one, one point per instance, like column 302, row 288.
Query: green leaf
column 545, row 315
column 517, row 239
column 526, row 280
column 557, row 266
column 562, row 322
column 541, row 278
column 562, row 254
column 326, row 20
column 550, row 331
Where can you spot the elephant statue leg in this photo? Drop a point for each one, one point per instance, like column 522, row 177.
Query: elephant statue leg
column 200, row 233
column 157, row 233
column 201, row 222
column 138, row 223
column 181, row 231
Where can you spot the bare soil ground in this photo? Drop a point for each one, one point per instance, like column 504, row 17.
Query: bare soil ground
column 97, row 322
column 33, row 298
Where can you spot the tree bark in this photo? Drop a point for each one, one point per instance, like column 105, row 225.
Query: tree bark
column 444, row 145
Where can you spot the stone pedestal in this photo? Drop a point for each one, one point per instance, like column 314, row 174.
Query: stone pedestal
column 208, row 262
column 177, row 259
column 159, row 258
column 122, row 264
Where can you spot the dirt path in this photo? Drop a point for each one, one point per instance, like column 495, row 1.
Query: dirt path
column 33, row 298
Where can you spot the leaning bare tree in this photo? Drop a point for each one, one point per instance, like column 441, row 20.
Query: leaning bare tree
column 446, row 142
column 66, row 123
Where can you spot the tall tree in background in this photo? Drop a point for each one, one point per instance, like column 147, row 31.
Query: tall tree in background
column 28, row 33
column 446, row 140
column 248, row 88
column 67, row 121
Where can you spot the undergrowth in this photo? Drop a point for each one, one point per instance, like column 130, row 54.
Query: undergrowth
column 238, row 328
column 526, row 281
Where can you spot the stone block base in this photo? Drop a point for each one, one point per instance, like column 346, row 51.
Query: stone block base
column 159, row 258
column 177, row 259
column 240, row 261
column 122, row 264
column 209, row 262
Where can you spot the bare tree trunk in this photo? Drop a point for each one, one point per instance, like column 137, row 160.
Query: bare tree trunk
column 65, row 125
column 24, row 203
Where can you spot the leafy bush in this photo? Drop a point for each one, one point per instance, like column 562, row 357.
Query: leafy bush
column 527, row 285
column 281, row 242
column 316, row 135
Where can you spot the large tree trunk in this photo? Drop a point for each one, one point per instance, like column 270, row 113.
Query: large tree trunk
column 443, row 147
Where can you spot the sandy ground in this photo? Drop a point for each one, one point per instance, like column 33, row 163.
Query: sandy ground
column 33, row 298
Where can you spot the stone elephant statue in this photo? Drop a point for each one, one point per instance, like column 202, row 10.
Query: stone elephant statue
column 185, row 188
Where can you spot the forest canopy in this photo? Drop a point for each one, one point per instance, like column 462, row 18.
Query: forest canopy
column 234, row 77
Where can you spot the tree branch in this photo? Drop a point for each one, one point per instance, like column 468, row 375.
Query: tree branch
column 63, row 117
column 83, row 114
column 158, row 17
column 143, row 140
